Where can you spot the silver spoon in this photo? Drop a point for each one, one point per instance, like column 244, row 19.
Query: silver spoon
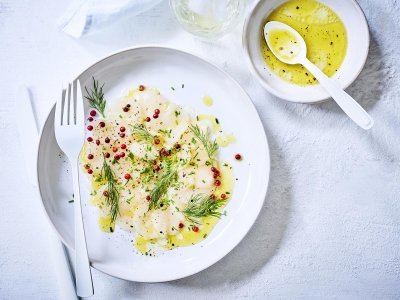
column 293, row 50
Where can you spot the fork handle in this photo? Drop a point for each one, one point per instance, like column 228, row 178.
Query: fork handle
column 83, row 275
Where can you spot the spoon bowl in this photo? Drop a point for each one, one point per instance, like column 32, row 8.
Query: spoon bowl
column 279, row 33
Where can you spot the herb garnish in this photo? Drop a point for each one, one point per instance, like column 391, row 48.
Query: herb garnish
column 112, row 197
column 96, row 97
column 142, row 134
column 204, row 137
column 201, row 205
column 161, row 187
column 72, row 200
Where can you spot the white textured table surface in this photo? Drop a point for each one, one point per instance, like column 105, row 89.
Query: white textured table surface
column 330, row 226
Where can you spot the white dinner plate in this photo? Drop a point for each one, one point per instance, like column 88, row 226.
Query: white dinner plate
column 183, row 78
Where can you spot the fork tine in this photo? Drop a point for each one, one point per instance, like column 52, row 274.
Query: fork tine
column 74, row 95
column 67, row 112
column 79, row 110
column 58, row 118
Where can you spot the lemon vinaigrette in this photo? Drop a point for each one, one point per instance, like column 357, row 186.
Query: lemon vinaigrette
column 223, row 140
column 208, row 101
column 324, row 34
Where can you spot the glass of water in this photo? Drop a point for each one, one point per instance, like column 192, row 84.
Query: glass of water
column 208, row 19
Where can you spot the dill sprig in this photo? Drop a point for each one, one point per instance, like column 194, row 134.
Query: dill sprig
column 162, row 185
column 142, row 134
column 201, row 205
column 112, row 196
column 204, row 137
column 96, row 97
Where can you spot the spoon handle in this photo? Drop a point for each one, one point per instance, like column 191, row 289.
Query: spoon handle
column 344, row 100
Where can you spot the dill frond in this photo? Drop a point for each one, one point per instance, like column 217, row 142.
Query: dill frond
column 96, row 97
column 204, row 137
column 142, row 134
column 201, row 205
column 112, row 198
column 162, row 185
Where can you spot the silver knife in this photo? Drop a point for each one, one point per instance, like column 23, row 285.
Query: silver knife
column 28, row 131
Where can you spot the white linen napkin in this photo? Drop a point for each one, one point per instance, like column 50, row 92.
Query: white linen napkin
column 83, row 16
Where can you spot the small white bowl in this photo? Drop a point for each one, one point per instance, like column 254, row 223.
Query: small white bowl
column 357, row 50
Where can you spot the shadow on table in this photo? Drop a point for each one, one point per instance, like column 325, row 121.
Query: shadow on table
column 367, row 88
column 263, row 240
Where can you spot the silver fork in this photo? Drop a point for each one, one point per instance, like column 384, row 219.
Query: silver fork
column 70, row 134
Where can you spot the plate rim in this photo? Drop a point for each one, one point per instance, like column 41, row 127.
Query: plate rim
column 252, row 106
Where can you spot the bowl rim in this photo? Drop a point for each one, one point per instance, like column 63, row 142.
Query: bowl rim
column 277, row 93
column 263, row 192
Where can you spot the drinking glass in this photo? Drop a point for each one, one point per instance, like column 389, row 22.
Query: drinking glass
column 209, row 19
